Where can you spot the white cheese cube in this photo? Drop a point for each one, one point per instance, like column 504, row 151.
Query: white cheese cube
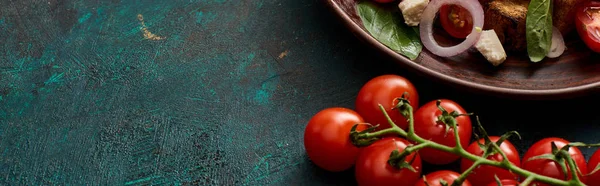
column 490, row 47
column 412, row 10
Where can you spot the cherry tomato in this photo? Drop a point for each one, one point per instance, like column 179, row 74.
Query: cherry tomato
column 434, row 177
column 428, row 126
column 505, row 183
column 548, row 167
column 456, row 20
column 384, row 90
column 327, row 141
column 373, row 169
column 587, row 23
column 593, row 179
column 484, row 174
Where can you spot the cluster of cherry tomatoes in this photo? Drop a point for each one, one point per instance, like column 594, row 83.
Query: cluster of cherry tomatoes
column 327, row 143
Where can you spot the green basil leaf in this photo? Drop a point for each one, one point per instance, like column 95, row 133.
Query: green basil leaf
column 538, row 29
column 388, row 27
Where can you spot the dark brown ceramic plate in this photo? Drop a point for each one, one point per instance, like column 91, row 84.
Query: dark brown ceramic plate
column 575, row 73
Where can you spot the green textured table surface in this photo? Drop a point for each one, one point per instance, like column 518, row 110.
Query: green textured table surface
column 208, row 92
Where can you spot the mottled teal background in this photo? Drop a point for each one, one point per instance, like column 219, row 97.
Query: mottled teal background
column 221, row 98
column 86, row 99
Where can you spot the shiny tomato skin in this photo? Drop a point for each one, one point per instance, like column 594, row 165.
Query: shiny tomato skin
column 446, row 175
column 587, row 22
column 548, row 167
column 327, row 141
column 593, row 179
column 372, row 168
column 505, row 183
column 428, row 127
column 485, row 173
column 456, row 20
column 383, row 90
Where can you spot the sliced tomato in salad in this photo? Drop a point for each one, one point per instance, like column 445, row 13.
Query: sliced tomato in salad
column 456, row 20
column 588, row 24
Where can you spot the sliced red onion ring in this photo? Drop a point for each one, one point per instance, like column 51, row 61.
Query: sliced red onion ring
column 558, row 44
column 428, row 18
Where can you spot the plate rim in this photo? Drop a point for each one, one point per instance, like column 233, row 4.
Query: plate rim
column 568, row 92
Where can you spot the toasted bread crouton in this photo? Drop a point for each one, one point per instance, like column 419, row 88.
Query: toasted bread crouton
column 507, row 18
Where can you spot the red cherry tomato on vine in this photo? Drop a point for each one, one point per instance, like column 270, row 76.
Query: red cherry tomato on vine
column 484, row 174
column 327, row 141
column 433, row 179
column 549, row 167
column 587, row 23
column 384, row 90
column 372, row 166
column 456, row 20
column 428, row 126
column 505, row 183
column 593, row 179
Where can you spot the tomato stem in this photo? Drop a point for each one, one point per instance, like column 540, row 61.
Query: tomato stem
column 411, row 126
column 382, row 133
column 398, row 160
column 527, row 181
column 412, row 149
column 504, row 158
column 572, row 167
column 395, row 127
column 463, row 176
column 456, row 136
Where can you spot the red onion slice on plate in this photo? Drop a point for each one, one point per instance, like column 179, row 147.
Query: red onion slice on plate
column 428, row 18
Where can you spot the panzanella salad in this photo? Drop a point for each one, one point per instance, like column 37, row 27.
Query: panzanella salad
column 492, row 27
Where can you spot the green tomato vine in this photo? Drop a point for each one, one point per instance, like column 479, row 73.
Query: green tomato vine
column 398, row 159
